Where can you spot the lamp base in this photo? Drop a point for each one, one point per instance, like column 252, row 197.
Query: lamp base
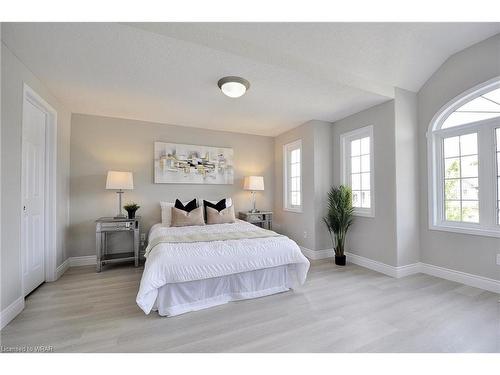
column 120, row 214
column 254, row 206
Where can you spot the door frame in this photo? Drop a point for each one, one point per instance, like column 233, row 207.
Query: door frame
column 50, row 230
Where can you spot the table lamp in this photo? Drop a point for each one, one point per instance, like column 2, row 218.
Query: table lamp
column 254, row 183
column 119, row 181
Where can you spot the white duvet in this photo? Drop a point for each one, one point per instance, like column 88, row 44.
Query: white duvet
column 182, row 262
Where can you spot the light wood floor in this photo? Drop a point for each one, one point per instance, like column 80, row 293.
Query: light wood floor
column 349, row 309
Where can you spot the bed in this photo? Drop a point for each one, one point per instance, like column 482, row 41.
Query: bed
column 196, row 267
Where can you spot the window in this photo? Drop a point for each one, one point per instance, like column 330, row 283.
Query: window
column 483, row 107
column 464, row 171
column 357, row 169
column 292, row 157
column 461, row 183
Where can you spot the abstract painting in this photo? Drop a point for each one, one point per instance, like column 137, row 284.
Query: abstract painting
column 191, row 164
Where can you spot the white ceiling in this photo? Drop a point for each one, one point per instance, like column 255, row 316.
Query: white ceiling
column 168, row 72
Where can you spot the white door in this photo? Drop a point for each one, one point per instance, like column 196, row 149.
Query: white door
column 33, row 175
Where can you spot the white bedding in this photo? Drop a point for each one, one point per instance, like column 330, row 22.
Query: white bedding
column 172, row 263
column 180, row 298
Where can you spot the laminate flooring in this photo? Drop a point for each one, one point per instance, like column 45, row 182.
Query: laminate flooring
column 339, row 309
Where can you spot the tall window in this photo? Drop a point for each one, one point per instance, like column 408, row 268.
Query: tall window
column 357, row 168
column 464, row 159
column 461, row 182
column 292, row 157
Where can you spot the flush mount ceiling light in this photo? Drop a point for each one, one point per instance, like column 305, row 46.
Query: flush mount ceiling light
column 234, row 87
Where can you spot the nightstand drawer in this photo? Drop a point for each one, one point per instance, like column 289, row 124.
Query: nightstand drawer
column 263, row 219
column 106, row 227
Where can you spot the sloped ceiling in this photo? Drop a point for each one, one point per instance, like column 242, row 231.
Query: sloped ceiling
column 168, row 72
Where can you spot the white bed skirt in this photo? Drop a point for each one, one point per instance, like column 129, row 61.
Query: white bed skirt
column 179, row 298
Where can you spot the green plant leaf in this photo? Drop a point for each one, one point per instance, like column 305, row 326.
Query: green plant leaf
column 340, row 216
column 131, row 206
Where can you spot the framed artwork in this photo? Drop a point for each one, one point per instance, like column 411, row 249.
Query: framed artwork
column 192, row 164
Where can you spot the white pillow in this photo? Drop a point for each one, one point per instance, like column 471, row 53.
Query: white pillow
column 166, row 211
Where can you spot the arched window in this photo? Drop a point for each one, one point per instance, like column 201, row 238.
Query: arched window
column 464, row 163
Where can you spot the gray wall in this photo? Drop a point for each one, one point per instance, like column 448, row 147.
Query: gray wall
column 99, row 144
column 14, row 73
column 406, row 154
column 299, row 226
column 306, row 227
column 323, row 180
column 373, row 238
column 392, row 236
column 466, row 69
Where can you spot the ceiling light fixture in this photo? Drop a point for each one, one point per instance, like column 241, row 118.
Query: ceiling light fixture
column 234, row 87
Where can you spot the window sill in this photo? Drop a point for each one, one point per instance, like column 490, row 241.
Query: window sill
column 475, row 231
column 364, row 213
column 296, row 210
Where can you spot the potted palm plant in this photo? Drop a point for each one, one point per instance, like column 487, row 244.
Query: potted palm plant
column 339, row 219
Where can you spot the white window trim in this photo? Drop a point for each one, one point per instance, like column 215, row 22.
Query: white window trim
column 286, row 148
column 345, row 138
column 487, row 173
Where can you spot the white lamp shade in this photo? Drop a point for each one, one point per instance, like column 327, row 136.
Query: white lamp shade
column 254, row 183
column 120, row 180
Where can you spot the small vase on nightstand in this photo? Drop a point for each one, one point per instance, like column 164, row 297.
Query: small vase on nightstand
column 131, row 209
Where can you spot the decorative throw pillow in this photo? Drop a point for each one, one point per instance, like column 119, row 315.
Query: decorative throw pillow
column 220, row 217
column 190, row 206
column 219, row 206
column 166, row 212
column 181, row 218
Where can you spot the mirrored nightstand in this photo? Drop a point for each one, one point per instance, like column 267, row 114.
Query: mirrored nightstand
column 263, row 219
column 106, row 226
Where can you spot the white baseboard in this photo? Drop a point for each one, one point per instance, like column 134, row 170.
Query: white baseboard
column 62, row 268
column 409, row 269
column 386, row 269
column 74, row 262
column 11, row 311
column 364, row 262
column 476, row 281
column 317, row 254
column 87, row 260
column 371, row 264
